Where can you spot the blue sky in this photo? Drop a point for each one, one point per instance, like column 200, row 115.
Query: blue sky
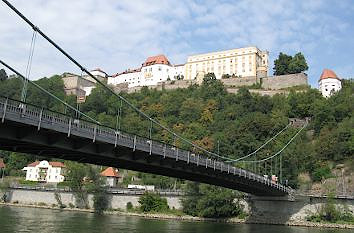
column 116, row 35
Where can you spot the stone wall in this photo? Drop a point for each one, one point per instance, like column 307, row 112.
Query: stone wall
column 239, row 82
column 120, row 201
column 284, row 81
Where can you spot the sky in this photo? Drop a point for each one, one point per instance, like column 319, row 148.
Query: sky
column 117, row 35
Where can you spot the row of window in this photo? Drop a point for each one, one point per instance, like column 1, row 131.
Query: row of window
column 220, row 55
column 36, row 176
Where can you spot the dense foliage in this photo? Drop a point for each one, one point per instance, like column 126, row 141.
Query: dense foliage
column 153, row 202
column 330, row 212
column 210, row 201
column 286, row 64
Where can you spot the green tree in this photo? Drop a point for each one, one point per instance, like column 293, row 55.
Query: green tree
column 297, row 64
column 76, row 180
column 286, row 64
column 3, row 75
column 281, row 64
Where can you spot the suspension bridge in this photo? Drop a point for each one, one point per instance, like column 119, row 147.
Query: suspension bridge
column 36, row 130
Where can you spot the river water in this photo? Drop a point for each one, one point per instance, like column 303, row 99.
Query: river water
column 19, row 219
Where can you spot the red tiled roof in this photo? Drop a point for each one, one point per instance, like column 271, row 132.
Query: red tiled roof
column 56, row 164
column 327, row 73
column 53, row 164
column 159, row 59
column 2, row 164
column 110, row 172
column 33, row 164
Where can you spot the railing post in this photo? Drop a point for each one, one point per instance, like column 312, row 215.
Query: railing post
column 69, row 130
column 188, row 157
column 198, row 160
column 228, row 169
column 116, row 139
column 206, row 163
column 94, row 134
column 214, row 165
column 150, row 147
column 164, row 151
column 176, row 154
column 234, row 170
column 40, row 120
column 5, row 108
column 134, row 145
column 221, row 166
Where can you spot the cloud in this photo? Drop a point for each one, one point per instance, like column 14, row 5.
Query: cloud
column 116, row 35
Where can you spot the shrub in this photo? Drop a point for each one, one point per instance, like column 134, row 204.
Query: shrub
column 322, row 173
column 152, row 202
column 71, row 205
column 129, row 206
column 42, row 204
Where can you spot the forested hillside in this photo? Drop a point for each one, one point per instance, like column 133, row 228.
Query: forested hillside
column 233, row 124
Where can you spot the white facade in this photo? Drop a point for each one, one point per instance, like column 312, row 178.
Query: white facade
column 156, row 69
column 44, row 171
column 329, row 83
column 242, row 62
column 329, row 86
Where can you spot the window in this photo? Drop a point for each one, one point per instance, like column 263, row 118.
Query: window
column 159, row 68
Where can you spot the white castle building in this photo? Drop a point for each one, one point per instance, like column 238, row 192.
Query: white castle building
column 329, row 83
column 154, row 70
column 44, row 171
column 242, row 62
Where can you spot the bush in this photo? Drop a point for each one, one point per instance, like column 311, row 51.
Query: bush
column 129, row 206
column 330, row 213
column 100, row 201
column 28, row 182
column 152, row 202
column 71, row 205
column 321, row 173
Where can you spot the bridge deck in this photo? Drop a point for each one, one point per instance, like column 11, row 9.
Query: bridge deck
column 29, row 129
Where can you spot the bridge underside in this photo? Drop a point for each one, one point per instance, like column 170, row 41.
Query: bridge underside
column 20, row 137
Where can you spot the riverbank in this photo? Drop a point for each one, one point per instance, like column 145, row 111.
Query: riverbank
column 189, row 218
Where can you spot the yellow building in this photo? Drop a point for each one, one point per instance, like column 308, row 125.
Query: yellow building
column 241, row 62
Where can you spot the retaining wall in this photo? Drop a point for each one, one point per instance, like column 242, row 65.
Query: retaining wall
column 120, row 201
column 284, row 81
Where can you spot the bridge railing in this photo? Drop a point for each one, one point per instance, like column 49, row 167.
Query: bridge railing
column 43, row 117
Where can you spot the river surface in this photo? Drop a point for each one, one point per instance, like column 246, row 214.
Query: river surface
column 21, row 219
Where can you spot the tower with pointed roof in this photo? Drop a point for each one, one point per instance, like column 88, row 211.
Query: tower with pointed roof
column 329, row 83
